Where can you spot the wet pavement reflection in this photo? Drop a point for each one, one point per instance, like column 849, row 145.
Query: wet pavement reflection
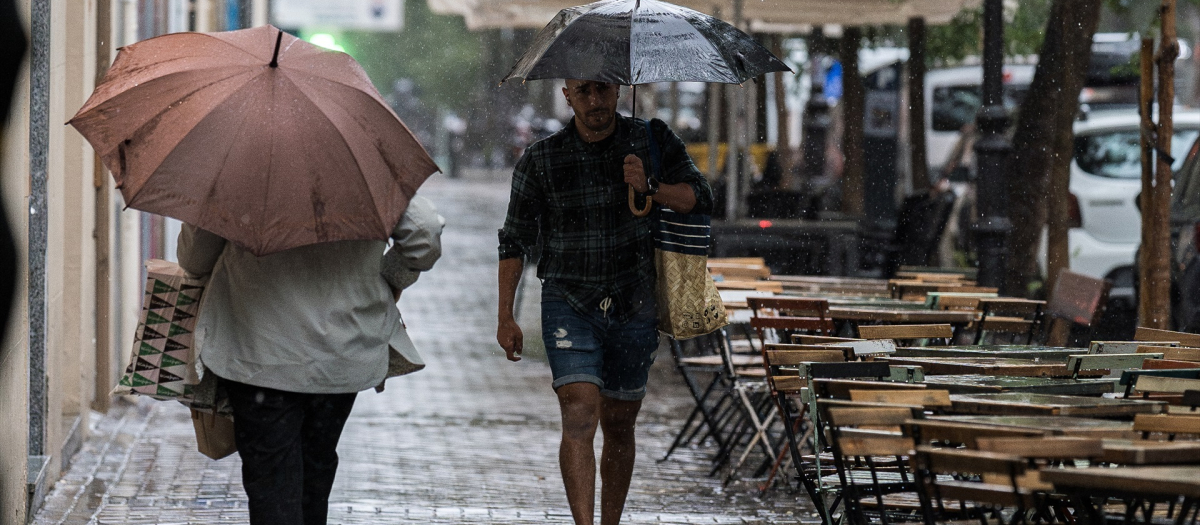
column 471, row 439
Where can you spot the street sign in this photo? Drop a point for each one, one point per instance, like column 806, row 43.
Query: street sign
column 376, row 15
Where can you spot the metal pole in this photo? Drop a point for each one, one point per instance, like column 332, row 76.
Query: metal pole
column 919, row 165
column 734, row 103
column 816, row 111
column 992, row 226
column 714, row 123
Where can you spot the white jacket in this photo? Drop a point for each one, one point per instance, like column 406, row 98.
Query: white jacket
column 314, row 319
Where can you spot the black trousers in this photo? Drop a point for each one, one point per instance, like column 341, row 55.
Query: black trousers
column 288, row 444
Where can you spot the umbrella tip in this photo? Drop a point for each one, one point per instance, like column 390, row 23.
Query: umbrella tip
column 275, row 57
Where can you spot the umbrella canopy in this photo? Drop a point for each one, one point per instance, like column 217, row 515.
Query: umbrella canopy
column 255, row 135
column 632, row 42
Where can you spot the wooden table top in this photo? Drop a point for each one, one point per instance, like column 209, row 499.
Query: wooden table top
column 901, row 315
column 1167, row 480
column 992, row 366
column 984, row 384
column 1057, row 425
column 1027, row 403
column 1055, row 353
column 1145, row 452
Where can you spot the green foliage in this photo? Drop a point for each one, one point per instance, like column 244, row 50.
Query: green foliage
column 437, row 52
column 961, row 37
column 952, row 42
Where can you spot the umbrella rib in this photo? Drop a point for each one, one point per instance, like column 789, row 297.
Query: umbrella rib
column 158, row 115
column 161, row 114
column 334, row 125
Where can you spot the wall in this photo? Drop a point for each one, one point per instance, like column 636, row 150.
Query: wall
column 14, row 347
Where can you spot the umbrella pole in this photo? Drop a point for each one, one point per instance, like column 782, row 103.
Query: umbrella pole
column 637, row 212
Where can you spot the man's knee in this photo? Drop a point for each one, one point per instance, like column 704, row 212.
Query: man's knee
column 580, row 406
column 619, row 416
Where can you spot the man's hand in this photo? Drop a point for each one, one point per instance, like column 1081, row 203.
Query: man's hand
column 635, row 173
column 508, row 334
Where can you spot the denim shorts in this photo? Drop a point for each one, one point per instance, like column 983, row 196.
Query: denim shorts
column 592, row 347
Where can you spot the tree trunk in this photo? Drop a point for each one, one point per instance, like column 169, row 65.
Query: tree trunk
column 1039, row 148
column 1146, row 198
column 916, row 104
column 1158, row 270
column 783, row 142
column 853, row 105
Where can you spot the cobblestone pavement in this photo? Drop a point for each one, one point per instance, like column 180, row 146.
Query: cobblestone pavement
column 471, row 439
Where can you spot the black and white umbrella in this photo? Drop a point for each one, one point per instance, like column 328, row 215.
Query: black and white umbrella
column 631, row 42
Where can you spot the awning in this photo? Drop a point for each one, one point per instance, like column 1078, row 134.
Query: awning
column 484, row 14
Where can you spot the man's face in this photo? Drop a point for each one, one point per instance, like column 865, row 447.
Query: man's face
column 594, row 103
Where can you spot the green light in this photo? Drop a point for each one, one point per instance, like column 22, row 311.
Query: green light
column 326, row 41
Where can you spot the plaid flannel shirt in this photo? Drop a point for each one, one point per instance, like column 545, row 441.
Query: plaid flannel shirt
column 571, row 196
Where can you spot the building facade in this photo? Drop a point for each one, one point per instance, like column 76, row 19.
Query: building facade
column 80, row 253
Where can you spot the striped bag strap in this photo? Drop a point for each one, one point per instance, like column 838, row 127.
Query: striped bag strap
column 654, row 155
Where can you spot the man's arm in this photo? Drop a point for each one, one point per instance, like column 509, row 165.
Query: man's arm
column 508, row 332
column 518, row 238
column 418, row 245
column 679, row 197
column 677, row 169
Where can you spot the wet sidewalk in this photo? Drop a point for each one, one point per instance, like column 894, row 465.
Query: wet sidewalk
column 471, row 439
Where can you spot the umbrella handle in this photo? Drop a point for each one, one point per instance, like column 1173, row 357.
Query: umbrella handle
column 633, row 205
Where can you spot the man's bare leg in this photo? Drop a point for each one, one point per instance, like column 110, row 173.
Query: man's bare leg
column 580, row 406
column 617, row 420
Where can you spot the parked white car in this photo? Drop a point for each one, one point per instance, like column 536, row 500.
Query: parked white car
column 1106, row 175
column 953, row 96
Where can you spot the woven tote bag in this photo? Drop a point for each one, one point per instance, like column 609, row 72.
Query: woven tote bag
column 688, row 302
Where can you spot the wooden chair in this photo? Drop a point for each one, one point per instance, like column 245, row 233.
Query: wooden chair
column 871, row 456
column 949, row 490
column 1016, row 318
column 806, row 339
column 1122, row 347
column 915, row 289
column 706, row 368
column 952, row 302
column 1040, row 453
column 1174, row 353
column 779, row 317
column 760, row 286
column 942, row 433
column 1130, row 377
column 924, row 398
column 1077, row 300
column 1189, row 404
column 1165, row 364
column 813, row 468
column 907, row 333
column 784, row 366
column 1153, row 335
column 1164, row 387
column 739, row 270
column 1112, row 362
column 756, row 261
column 1167, row 426
column 1044, row 452
column 969, row 274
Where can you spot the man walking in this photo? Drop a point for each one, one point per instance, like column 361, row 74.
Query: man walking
column 597, row 268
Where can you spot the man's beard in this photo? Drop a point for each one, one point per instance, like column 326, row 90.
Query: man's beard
column 602, row 118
